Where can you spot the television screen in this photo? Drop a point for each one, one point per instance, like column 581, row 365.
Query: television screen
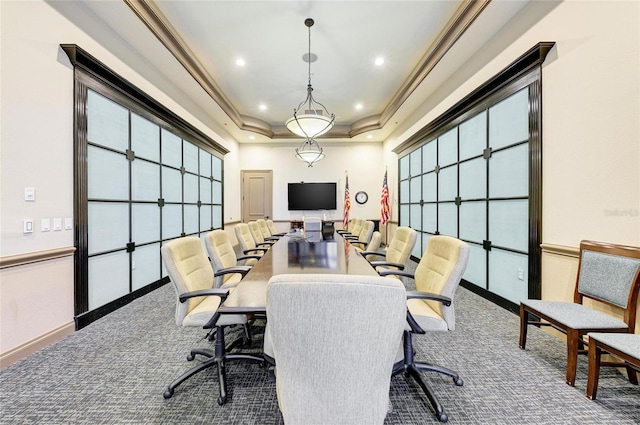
column 312, row 196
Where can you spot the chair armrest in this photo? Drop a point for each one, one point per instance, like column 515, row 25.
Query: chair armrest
column 387, row 264
column 218, row 292
column 390, row 272
column 271, row 238
column 246, row 257
column 247, row 251
column 364, row 244
column 279, row 234
column 365, row 253
column 243, row 270
column 266, row 243
column 428, row 296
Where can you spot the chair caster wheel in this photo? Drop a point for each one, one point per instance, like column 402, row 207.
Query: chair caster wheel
column 443, row 417
column 459, row 382
column 262, row 365
column 221, row 400
column 190, row 357
column 168, row 393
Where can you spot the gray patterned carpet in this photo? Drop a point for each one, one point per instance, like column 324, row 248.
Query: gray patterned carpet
column 115, row 370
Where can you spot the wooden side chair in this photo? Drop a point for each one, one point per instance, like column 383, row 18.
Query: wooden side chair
column 622, row 345
column 607, row 273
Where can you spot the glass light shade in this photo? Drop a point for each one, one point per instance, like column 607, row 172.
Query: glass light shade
column 309, row 152
column 309, row 125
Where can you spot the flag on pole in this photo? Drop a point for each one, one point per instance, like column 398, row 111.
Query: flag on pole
column 384, row 201
column 347, row 204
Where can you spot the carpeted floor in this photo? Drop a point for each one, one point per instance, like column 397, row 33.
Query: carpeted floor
column 115, row 370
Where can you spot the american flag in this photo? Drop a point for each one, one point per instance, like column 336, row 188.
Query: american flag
column 347, row 204
column 384, row 201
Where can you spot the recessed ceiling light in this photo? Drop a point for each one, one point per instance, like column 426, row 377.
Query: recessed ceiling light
column 358, row 106
column 252, row 138
column 262, row 107
column 240, row 62
column 379, row 60
column 369, row 137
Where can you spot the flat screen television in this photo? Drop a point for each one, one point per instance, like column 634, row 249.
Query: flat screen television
column 312, row 196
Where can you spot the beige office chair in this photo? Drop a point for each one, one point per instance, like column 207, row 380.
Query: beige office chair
column 197, row 304
column 430, row 308
column 354, row 227
column 247, row 243
column 372, row 246
column 362, row 239
column 266, row 232
column 258, row 237
column 398, row 252
column 223, row 259
column 333, row 360
column 273, row 230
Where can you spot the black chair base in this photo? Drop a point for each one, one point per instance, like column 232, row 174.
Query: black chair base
column 412, row 368
column 217, row 358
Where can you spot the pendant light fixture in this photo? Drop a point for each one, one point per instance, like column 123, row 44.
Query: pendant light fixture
column 311, row 118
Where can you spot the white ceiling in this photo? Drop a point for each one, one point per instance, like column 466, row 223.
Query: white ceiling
column 189, row 49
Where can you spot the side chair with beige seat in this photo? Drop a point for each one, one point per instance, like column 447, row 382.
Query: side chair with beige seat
column 398, row 252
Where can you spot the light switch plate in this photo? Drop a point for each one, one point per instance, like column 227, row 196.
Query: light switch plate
column 57, row 224
column 27, row 226
column 68, row 223
column 45, row 224
column 29, row 194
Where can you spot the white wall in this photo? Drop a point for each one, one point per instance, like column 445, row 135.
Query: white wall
column 363, row 161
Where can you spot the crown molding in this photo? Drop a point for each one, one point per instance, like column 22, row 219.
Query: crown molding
column 158, row 24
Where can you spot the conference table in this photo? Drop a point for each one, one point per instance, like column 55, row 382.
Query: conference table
column 294, row 254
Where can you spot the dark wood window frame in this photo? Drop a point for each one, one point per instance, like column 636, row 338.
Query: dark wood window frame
column 90, row 73
column 524, row 71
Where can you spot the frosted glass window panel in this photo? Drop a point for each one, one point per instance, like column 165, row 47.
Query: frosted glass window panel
column 108, row 226
column 205, row 190
column 504, row 267
column 476, row 271
column 473, row 179
column 145, row 221
column 191, row 219
column 448, row 184
column 448, row 148
column 216, row 165
column 509, row 120
column 448, row 219
column 509, row 224
column 205, row 163
column 417, row 248
column 108, row 174
column 171, row 185
column 146, row 270
column 205, row 218
column 473, row 221
column 217, row 192
column 191, row 186
column 145, row 138
column 415, row 188
column 171, row 221
column 509, row 172
column 190, row 157
column 108, row 278
column 473, row 136
column 404, row 215
column 404, row 167
column 171, row 149
column 429, row 218
column 415, row 220
column 429, row 187
column 217, row 217
column 145, row 180
column 107, row 122
column 404, row 191
column 429, row 156
column 415, row 160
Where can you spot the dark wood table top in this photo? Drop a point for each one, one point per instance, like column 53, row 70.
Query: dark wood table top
column 293, row 255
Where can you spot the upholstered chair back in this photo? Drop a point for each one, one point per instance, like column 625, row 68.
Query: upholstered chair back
column 272, row 227
column 222, row 256
column 440, row 271
column 374, row 244
column 256, row 232
column 264, row 228
column 189, row 270
column 333, row 362
column 357, row 226
column 366, row 231
column 245, row 239
column 401, row 245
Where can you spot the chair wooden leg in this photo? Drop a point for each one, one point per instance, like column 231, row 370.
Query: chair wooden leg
column 632, row 374
column 594, row 370
column 572, row 355
column 524, row 319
